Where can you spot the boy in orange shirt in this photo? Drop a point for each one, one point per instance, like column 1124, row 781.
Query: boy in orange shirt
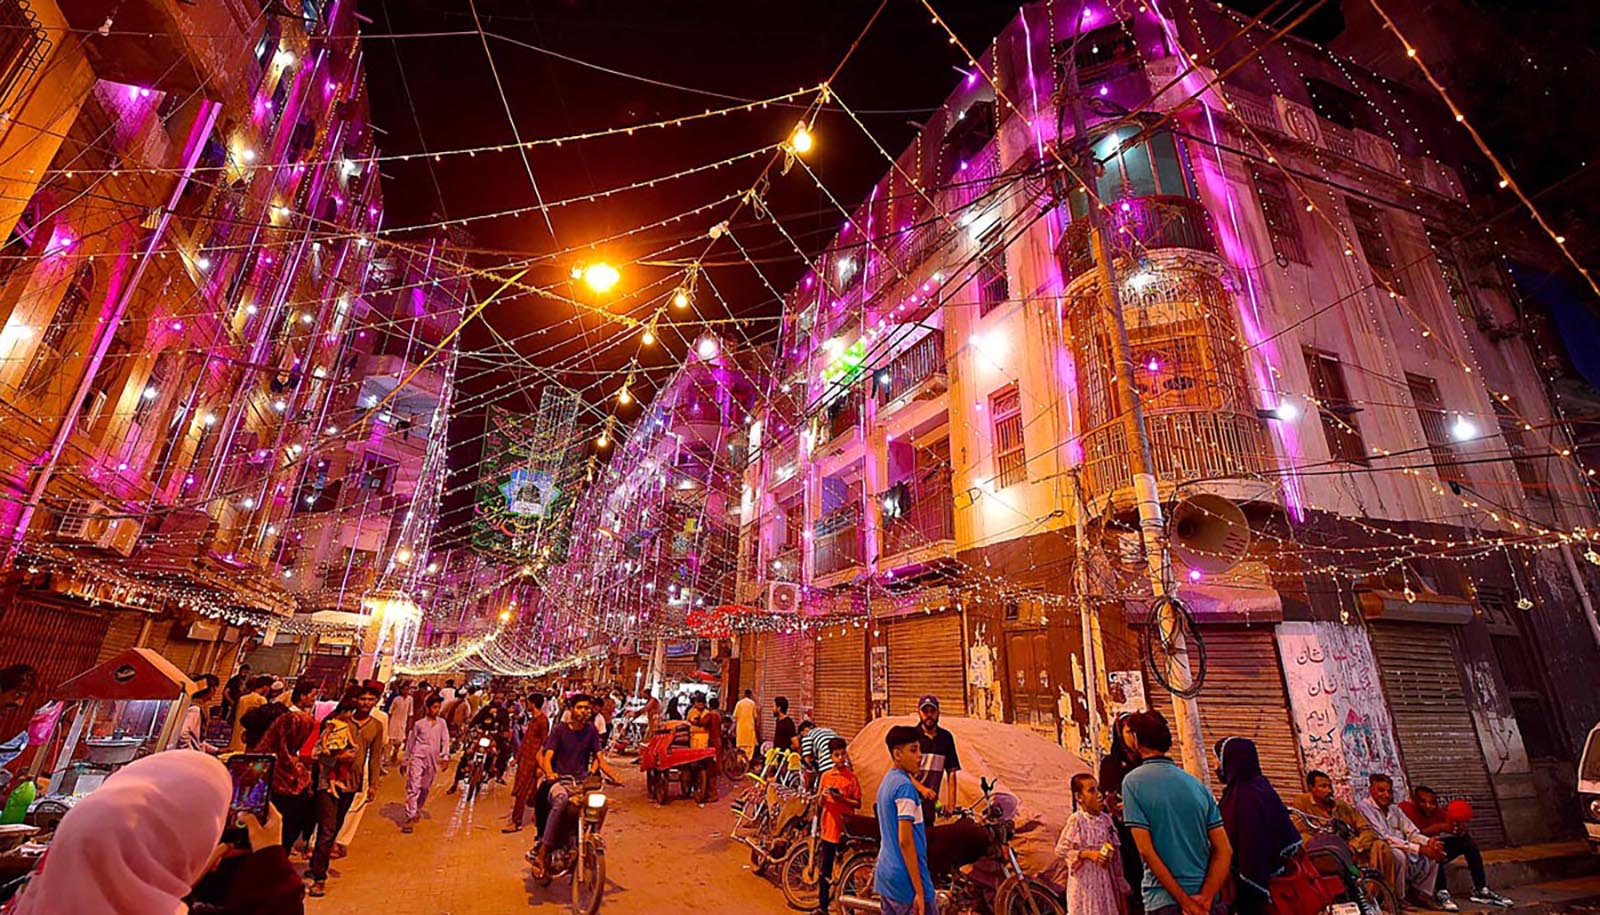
column 840, row 792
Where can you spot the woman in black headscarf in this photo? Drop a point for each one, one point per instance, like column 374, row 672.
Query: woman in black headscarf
column 1114, row 767
column 1256, row 821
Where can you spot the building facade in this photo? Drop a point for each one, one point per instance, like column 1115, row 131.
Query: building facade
column 1321, row 333
column 190, row 319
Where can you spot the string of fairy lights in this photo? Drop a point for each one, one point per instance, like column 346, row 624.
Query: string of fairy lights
column 600, row 592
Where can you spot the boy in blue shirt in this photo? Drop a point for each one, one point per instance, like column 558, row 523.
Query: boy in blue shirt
column 901, row 880
column 1176, row 825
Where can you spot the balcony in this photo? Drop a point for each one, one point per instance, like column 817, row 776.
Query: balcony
column 919, row 522
column 920, row 369
column 166, row 45
column 1187, row 446
column 1139, row 224
column 837, row 543
column 844, row 414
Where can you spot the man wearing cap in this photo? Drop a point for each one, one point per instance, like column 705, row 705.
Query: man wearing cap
column 938, row 758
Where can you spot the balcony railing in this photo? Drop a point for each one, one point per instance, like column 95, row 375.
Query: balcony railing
column 924, row 359
column 1185, row 445
column 918, row 514
column 1139, row 224
column 844, row 414
column 836, row 542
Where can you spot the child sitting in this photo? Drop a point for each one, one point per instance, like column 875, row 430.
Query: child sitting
column 1089, row 843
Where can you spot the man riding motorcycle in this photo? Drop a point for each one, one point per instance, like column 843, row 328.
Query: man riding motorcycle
column 493, row 721
column 571, row 752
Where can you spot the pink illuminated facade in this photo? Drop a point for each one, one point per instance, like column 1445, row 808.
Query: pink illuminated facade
column 1321, row 332
column 187, row 306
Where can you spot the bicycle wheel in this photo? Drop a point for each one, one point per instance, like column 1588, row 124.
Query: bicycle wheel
column 798, row 876
column 1026, row 896
column 1378, row 897
column 855, row 878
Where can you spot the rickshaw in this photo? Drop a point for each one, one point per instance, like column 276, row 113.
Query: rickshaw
column 668, row 755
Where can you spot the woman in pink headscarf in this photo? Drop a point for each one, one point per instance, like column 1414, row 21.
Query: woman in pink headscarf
column 143, row 839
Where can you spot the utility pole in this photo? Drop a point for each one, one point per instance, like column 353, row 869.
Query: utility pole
column 1152, row 528
column 1089, row 621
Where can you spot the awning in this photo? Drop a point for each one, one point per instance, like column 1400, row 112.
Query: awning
column 1422, row 607
column 1216, row 602
column 138, row 673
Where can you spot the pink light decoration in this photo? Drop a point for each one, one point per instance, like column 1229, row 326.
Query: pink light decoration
column 963, row 165
column 972, row 79
column 1154, row 366
column 60, row 242
column 1105, row 90
column 177, row 325
column 809, row 280
column 1194, row 574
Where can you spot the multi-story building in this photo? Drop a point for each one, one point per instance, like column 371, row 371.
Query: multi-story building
column 654, row 536
column 191, row 200
column 1317, row 322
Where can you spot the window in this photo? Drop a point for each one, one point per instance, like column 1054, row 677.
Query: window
column 1339, row 105
column 993, row 288
column 1010, row 457
column 1511, row 433
column 1136, row 165
column 154, row 387
column 67, row 321
column 1367, row 224
column 378, row 474
column 1278, row 211
column 1435, row 426
column 1100, row 55
column 1334, row 408
column 1455, row 283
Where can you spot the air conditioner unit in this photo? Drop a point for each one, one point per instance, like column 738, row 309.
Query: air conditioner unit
column 783, row 597
column 81, row 522
column 121, row 536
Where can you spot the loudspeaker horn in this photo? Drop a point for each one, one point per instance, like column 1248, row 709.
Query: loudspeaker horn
column 1208, row 533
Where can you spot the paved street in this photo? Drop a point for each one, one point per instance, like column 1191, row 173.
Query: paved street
column 658, row 860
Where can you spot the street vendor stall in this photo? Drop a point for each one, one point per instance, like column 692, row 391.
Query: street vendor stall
column 130, row 706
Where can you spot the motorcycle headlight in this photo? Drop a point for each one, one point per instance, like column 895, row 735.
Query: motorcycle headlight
column 483, row 741
column 594, row 811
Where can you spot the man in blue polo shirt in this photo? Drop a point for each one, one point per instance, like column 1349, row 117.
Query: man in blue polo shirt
column 1176, row 825
column 902, row 880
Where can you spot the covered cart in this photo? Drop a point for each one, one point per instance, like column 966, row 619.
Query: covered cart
column 130, row 706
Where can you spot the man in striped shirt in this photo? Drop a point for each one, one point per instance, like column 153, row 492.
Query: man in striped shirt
column 814, row 749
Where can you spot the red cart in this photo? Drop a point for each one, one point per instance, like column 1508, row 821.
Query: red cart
column 668, row 755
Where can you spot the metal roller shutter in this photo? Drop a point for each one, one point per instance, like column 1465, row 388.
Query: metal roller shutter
column 1438, row 742
column 121, row 634
column 841, row 681
column 59, row 640
column 278, row 659
column 925, row 656
column 1244, row 696
column 784, row 673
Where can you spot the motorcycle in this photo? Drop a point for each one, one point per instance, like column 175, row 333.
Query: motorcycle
column 981, row 837
column 479, row 760
column 628, row 736
column 579, row 851
column 1323, row 876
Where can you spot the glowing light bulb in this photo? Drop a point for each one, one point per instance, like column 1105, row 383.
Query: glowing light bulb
column 801, row 140
column 624, row 397
column 602, row 441
column 601, row 277
column 707, row 348
column 680, row 299
column 1463, row 430
column 648, row 337
column 505, row 616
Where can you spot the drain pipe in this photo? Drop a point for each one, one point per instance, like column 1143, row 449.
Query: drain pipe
column 1583, row 591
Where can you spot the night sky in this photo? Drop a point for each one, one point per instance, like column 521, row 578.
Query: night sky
column 438, row 92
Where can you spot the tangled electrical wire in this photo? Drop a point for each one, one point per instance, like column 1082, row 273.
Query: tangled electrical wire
column 1170, row 630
